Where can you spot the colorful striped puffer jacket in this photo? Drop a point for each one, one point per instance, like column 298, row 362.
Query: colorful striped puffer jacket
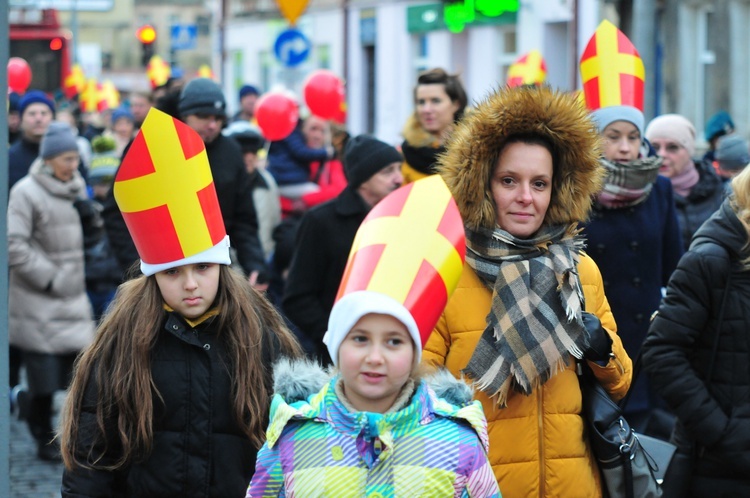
column 433, row 447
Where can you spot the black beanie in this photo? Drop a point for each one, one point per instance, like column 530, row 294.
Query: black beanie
column 364, row 156
column 202, row 96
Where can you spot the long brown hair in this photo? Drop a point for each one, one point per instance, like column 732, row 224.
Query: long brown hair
column 118, row 363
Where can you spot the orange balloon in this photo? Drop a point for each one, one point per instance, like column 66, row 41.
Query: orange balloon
column 292, row 9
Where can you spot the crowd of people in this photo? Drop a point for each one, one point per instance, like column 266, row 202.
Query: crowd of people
column 190, row 284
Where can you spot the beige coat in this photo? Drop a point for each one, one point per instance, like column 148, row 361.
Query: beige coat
column 48, row 307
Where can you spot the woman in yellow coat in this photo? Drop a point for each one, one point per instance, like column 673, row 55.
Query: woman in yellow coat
column 522, row 169
column 439, row 102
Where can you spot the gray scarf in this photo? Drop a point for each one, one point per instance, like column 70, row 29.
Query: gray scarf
column 628, row 184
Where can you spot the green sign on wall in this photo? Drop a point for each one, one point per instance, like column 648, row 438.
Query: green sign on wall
column 455, row 16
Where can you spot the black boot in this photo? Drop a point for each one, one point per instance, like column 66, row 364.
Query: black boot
column 40, row 426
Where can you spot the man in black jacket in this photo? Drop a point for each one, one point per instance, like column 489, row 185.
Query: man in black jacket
column 325, row 236
column 203, row 108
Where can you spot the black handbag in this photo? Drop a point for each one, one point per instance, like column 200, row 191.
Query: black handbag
column 627, row 467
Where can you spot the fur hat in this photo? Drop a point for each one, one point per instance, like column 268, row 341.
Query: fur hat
column 58, row 138
column 474, row 147
column 673, row 127
column 364, row 156
column 202, row 96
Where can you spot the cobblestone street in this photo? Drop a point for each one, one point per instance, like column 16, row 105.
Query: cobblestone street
column 29, row 476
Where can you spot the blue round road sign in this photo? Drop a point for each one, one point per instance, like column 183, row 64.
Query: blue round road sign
column 291, row 47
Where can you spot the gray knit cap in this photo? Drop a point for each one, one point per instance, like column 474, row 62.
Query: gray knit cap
column 732, row 153
column 202, row 96
column 58, row 139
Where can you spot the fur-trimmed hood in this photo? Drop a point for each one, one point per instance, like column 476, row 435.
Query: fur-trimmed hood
column 475, row 144
column 297, row 379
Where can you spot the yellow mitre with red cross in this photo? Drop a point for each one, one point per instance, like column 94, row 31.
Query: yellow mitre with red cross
column 405, row 261
column 529, row 69
column 167, row 197
column 613, row 77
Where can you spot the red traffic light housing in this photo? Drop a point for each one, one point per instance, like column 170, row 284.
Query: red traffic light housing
column 146, row 34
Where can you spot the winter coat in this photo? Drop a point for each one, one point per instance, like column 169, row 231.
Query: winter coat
column 317, row 447
column 21, row 155
column 420, row 149
column 324, row 239
column 637, row 249
column 704, row 199
column 289, row 159
column 49, row 311
column 235, row 196
column 538, row 446
column 198, row 448
column 329, row 176
column 713, row 414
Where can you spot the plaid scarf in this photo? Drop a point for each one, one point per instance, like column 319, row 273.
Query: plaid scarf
column 628, row 184
column 535, row 320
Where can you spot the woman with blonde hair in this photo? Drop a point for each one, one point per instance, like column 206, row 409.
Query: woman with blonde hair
column 697, row 349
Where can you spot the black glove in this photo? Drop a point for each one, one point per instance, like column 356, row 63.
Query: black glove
column 597, row 344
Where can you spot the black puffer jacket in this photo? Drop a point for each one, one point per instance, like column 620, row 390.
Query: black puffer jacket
column 714, row 415
column 198, row 448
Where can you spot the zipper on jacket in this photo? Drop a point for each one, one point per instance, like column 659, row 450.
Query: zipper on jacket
column 540, row 423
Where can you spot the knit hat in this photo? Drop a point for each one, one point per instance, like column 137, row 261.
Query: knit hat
column 613, row 77
column 364, row 156
column 58, row 138
column 122, row 112
column 248, row 90
column 104, row 161
column 35, row 97
column 719, row 124
column 405, row 262
column 167, row 197
column 202, row 96
column 673, row 127
column 732, row 153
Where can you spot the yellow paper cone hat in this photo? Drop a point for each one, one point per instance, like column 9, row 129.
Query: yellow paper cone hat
column 613, row 77
column 405, row 261
column 167, row 197
column 529, row 69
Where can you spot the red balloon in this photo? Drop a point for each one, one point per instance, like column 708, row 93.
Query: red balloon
column 277, row 115
column 324, row 93
column 19, row 74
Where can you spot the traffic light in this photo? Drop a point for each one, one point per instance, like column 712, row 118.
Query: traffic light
column 146, row 34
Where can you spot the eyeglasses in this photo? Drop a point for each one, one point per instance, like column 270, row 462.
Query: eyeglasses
column 671, row 148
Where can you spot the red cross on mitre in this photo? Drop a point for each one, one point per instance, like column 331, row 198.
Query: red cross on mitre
column 411, row 247
column 611, row 70
column 529, row 69
column 166, row 193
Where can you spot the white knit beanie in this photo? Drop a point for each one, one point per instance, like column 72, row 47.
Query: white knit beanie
column 349, row 309
column 673, row 127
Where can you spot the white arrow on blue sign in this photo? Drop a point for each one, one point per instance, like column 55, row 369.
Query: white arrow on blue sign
column 291, row 47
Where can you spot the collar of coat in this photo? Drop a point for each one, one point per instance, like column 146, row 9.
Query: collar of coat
column 305, row 391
